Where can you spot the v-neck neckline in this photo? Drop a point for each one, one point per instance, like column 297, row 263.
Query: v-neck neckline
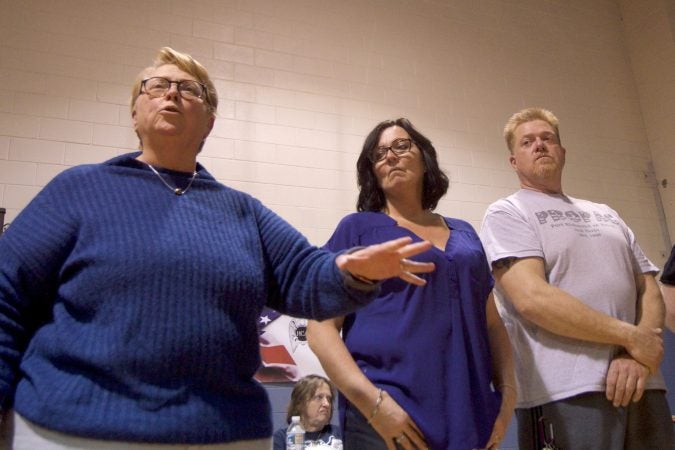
column 419, row 238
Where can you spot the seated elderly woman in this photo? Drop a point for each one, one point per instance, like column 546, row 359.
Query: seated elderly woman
column 312, row 400
column 130, row 290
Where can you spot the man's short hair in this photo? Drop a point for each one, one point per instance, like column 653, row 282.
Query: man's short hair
column 528, row 115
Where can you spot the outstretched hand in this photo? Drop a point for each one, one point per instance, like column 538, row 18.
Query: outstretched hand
column 387, row 260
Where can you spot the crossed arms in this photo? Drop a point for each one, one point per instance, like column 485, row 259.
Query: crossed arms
column 523, row 280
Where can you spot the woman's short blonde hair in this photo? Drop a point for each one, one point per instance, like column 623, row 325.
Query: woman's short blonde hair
column 528, row 115
column 187, row 64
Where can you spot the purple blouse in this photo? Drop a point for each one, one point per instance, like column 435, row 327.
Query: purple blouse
column 428, row 346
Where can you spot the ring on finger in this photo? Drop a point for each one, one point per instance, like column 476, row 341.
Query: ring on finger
column 400, row 438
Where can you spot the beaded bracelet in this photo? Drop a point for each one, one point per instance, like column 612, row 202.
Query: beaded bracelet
column 377, row 405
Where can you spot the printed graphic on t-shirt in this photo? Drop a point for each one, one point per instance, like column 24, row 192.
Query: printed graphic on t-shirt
column 586, row 224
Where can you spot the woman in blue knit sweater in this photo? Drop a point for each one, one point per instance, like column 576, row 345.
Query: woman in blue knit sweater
column 129, row 290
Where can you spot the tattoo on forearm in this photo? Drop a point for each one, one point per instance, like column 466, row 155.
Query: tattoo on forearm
column 504, row 263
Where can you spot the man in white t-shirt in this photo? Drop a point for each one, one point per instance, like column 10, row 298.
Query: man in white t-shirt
column 581, row 304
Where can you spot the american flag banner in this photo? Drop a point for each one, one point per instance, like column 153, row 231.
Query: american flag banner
column 285, row 354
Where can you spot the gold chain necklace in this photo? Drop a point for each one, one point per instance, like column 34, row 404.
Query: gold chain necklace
column 175, row 190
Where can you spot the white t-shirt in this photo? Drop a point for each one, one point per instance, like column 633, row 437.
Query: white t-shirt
column 590, row 253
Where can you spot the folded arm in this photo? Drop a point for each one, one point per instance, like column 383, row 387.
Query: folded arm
column 626, row 377
column 524, row 283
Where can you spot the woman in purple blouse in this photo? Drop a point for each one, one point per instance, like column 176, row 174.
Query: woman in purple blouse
column 422, row 366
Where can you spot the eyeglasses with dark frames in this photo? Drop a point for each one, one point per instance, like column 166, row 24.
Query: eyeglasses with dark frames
column 398, row 147
column 159, row 86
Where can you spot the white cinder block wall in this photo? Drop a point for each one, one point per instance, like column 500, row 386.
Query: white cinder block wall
column 302, row 81
column 650, row 36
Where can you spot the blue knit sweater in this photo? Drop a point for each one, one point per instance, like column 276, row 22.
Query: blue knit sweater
column 129, row 313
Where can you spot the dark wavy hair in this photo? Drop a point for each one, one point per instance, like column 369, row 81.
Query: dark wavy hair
column 371, row 196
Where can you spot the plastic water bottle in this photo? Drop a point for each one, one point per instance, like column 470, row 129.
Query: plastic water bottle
column 295, row 435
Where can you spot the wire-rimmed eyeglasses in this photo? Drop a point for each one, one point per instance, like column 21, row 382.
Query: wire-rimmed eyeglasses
column 159, row 86
column 398, row 147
